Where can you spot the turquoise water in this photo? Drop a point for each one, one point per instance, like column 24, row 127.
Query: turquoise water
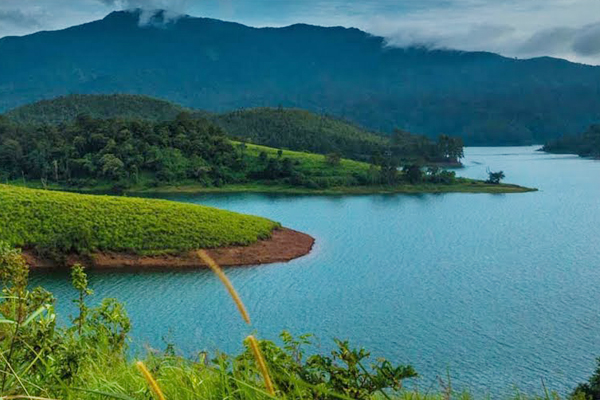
column 497, row 290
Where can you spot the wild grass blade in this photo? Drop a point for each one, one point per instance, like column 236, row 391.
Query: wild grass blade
column 262, row 365
column 150, row 379
column 226, row 282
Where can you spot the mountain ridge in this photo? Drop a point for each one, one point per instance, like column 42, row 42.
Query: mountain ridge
column 222, row 66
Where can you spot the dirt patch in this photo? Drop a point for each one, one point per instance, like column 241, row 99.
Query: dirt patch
column 284, row 245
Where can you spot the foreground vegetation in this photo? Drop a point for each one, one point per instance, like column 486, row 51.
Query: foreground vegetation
column 67, row 222
column 586, row 144
column 88, row 358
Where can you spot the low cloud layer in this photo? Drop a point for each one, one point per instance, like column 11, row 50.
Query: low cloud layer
column 173, row 8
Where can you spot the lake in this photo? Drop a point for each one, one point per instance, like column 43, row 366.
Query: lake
column 496, row 290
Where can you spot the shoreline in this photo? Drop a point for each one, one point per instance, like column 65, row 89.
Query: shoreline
column 467, row 186
column 284, row 245
column 471, row 186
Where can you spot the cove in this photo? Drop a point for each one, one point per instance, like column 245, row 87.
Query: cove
column 498, row 290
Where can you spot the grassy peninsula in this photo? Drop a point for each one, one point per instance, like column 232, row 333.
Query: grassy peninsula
column 69, row 222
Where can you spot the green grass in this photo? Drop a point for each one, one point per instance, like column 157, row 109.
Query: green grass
column 84, row 223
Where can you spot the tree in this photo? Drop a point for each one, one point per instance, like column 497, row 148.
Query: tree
column 112, row 167
column 262, row 156
column 591, row 389
column 495, row 177
column 413, row 173
column 450, row 148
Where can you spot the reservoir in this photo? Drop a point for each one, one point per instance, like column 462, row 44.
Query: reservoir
column 495, row 290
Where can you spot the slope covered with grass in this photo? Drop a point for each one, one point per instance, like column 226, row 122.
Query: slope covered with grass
column 83, row 223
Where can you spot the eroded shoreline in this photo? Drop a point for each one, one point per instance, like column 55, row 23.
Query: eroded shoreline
column 283, row 246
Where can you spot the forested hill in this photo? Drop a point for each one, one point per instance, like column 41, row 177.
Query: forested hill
column 220, row 66
column 67, row 108
column 302, row 130
column 291, row 129
column 103, row 154
column 586, row 144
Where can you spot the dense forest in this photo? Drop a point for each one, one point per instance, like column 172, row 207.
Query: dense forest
column 291, row 129
column 67, row 108
column 219, row 66
column 586, row 144
column 90, row 152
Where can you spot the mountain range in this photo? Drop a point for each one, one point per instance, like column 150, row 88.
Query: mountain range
column 219, row 66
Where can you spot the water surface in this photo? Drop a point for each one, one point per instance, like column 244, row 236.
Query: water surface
column 498, row 290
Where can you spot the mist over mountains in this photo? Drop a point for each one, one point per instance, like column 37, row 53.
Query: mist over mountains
column 218, row 66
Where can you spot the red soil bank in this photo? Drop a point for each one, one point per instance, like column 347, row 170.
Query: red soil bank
column 284, row 245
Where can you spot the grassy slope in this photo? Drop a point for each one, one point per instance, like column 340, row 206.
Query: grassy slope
column 67, row 108
column 301, row 130
column 31, row 217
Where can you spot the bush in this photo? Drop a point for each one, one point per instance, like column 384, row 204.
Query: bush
column 589, row 390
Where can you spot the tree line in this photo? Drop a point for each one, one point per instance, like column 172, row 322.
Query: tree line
column 87, row 152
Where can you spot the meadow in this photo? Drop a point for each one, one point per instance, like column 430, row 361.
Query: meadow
column 70, row 222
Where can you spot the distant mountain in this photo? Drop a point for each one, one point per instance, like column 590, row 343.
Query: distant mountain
column 67, row 108
column 220, row 66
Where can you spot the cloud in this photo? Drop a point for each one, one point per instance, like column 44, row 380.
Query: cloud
column 587, row 41
column 583, row 42
column 173, row 9
column 19, row 19
column 548, row 41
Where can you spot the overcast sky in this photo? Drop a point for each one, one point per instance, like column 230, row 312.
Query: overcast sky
column 518, row 28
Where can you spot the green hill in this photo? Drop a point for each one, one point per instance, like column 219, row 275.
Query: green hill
column 67, row 108
column 292, row 129
column 302, row 130
column 84, row 223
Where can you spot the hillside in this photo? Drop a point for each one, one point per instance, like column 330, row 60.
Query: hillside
column 68, row 222
column 196, row 62
column 301, row 130
column 292, row 129
column 586, row 144
column 67, row 108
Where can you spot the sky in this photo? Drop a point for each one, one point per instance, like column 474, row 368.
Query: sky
column 567, row 29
